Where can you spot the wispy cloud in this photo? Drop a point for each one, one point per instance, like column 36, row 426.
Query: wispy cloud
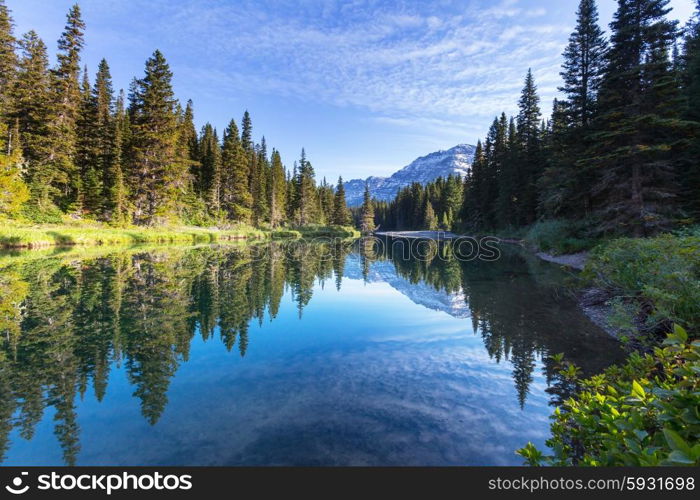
column 398, row 59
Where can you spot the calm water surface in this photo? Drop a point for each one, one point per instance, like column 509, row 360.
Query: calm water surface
column 281, row 354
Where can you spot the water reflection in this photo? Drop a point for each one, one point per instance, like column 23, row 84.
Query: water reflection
column 67, row 323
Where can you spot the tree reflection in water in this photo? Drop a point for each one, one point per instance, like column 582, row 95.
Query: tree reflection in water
column 64, row 322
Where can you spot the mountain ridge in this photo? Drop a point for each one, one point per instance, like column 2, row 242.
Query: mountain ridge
column 454, row 161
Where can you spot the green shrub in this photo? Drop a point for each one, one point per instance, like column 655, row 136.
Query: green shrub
column 285, row 233
column 560, row 236
column 645, row 412
column 661, row 276
column 47, row 215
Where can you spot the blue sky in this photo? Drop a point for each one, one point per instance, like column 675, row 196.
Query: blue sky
column 365, row 86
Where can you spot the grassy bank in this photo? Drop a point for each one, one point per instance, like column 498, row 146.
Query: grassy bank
column 316, row 231
column 46, row 235
column 653, row 282
column 33, row 236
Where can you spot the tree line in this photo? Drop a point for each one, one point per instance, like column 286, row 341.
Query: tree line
column 70, row 146
column 620, row 150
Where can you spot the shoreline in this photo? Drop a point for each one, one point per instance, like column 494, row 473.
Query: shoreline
column 20, row 237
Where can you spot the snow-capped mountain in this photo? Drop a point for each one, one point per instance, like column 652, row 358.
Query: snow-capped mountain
column 454, row 161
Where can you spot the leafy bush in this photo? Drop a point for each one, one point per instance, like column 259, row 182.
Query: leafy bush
column 285, row 233
column 646, row 412
column 47, row 215
column 661, row 276
column 559, row 236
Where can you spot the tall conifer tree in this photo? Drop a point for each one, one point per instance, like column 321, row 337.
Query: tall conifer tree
column 277, row 190
column 67, row 99
column 530, row 161
column 584, row 62
column 341, row 214
column 154, row 127
column 236, row 197
column 30, row 98
column 635, row 147
column 8, row 57
column 367, row 214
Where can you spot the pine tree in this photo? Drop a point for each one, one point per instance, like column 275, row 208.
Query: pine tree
column 584, row 62
column 367, row 215
column 154, row 126
column 186, row 205
column 292, row 195
column 634, row 151
column 471, row 214
column 30, row 101
column 558, row 187
column 115, row 207
column 341, row 214
column 104, row 132
column 247, row 133
column 430, row 221
column 88, row 186
column 236, row 198
column 8, row 57
column 566, row 187
column 451, row 200
column 690, row 78
column 210, row 165
column 188, row 134
column 277, row 190
column 326, row 202
column 66, row 99
column 306, row 192
column 530, row 160
column 260, row 174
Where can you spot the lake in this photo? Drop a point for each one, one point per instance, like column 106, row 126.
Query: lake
column 283, row 353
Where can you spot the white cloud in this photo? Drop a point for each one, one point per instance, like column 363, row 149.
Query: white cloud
column 397, row 62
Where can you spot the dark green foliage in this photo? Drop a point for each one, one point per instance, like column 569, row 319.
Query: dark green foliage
column 277, row 190
column 31, row 109
column 341, row 214
column 66, row 101
column 565, row 187
column 260, row 178
column 643, row 413
column 529, row 157
column 637, row 135
column 210, row 168
column 235, row 191
column 560, row 236
column 659, row 277
column 154, row 127
column 690, row 86
column 247, row 133
column 306, row 207
column 583, row 66
column 8, row 56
